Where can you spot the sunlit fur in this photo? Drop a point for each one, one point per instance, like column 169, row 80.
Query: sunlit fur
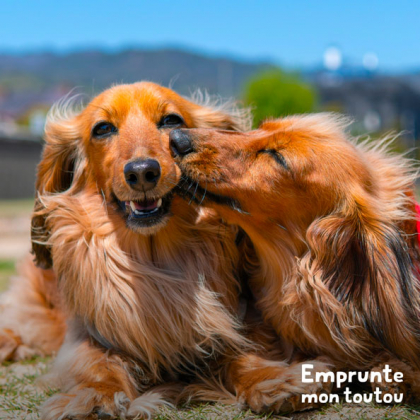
column 141, row 308
column 32, row 321
column 333, row 225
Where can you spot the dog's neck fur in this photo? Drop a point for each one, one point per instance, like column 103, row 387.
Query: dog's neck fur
column 135, row 293
column 276, row 255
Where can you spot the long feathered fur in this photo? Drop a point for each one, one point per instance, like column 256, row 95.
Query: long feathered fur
column 165, row 317
column 141, row 310
column 334, row 232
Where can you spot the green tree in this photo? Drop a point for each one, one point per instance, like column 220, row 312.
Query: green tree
column 275, row 93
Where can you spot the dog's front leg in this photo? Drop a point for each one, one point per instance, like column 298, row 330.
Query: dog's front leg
column 267, row 385
column 97, row 384
column 408, row 385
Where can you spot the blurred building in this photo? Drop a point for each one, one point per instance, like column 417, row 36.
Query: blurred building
column 18, row 160
column 377, row 104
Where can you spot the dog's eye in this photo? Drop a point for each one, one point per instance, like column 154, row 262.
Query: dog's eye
column 171, row 120
column 103, row 129
column 278, row 157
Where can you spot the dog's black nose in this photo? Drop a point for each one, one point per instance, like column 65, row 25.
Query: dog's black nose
column 142, row 175
column 180, row 142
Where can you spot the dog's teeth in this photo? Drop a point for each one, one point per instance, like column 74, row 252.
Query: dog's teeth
column 138, row 212
column 159, row 203
column 133, row 206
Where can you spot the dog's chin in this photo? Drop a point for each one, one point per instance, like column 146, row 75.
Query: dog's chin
column 150, row 230
column 145, row 217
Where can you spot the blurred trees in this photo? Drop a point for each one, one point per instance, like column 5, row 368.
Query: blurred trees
column 274, row 93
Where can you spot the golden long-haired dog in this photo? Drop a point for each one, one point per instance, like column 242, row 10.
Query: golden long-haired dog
column 146, row 283
column 143, row 286
column 333, row 225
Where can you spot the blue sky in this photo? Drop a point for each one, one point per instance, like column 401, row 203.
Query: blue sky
column 292, row 33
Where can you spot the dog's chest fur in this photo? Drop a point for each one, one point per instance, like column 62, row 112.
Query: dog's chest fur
column 165, row 301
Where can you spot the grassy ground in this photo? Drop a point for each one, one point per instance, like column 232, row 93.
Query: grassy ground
column 14, row 208
column 7, row 269
column 21, row 396
column 10, row 211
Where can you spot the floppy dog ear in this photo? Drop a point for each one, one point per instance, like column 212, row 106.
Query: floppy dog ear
column 364, row 262
column 208, row 112
column 55, row 175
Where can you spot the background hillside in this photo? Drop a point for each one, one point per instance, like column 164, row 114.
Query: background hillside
column 33, row 79
column 98, row 69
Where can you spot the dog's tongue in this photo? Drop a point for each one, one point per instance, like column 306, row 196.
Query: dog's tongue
column 146, row 205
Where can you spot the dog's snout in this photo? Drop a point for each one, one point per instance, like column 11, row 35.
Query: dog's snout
column 180, row 142
column 142, row 175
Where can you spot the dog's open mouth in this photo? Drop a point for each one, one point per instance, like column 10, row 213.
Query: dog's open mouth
column 146, row 208
column 145, row 213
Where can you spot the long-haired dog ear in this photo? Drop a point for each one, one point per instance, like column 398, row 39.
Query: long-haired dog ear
column 56, row 173
column 365, row 263
column 210, row 112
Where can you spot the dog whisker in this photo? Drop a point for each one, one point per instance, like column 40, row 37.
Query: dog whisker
column 195, row 191
column 204, row 195
column 104, row 202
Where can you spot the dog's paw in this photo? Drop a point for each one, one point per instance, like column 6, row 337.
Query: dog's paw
column 86, row 403
column 146, row 405
column 280, row 389
column 101, row 403
column 12, row 348
column 394, row 388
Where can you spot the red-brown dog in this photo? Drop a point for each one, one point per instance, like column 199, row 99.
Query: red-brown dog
column 334, row 229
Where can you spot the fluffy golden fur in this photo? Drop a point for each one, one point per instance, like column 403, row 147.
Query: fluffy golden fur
column 333, row 225
column 151, row 309
column 141, row 304
column 32, row 320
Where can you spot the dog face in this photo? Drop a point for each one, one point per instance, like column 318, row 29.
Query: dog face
column 285, row 172
column 126, row 141
column 118, row 146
